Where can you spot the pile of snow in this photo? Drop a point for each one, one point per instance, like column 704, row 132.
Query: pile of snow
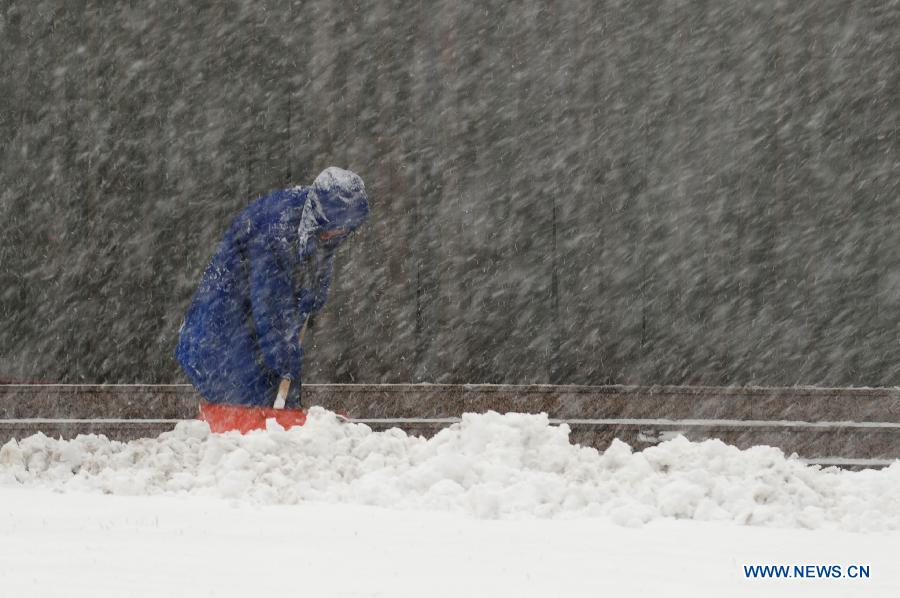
column 490, row 465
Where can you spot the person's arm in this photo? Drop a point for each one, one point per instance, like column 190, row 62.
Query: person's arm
column 276, row 315
column 323, row 283
column 314, row 296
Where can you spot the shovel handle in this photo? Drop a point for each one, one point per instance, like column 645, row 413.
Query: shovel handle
column 283, row 389
column 285, row 386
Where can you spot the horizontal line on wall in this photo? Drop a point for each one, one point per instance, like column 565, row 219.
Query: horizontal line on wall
column 686, row 423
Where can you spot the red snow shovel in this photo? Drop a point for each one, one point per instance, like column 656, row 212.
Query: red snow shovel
column 237, row 418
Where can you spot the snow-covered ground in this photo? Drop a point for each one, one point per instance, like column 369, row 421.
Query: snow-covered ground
column 496, row 505
column 80, row 545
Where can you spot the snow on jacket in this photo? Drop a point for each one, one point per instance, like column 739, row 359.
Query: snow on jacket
column 241, row 334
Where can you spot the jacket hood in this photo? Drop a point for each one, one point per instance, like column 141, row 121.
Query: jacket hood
column 342, row 199
column 336, row 199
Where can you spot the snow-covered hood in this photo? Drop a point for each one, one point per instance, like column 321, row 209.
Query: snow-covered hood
column 342, row 199
column 336, row 200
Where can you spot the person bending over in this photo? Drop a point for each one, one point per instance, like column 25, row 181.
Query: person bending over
column 240, row 343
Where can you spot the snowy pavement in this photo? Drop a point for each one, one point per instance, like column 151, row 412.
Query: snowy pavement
column 83, row 545
column 497, row 504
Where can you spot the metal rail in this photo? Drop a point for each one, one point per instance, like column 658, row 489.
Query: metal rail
column 852, row 427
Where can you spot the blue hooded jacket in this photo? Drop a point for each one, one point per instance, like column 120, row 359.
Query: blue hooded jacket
column 241, row 334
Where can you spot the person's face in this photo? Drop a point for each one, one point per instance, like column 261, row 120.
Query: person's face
column 330, row 239
column 326, row 235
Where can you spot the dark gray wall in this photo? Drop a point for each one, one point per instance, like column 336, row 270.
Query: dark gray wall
column 593, row 192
